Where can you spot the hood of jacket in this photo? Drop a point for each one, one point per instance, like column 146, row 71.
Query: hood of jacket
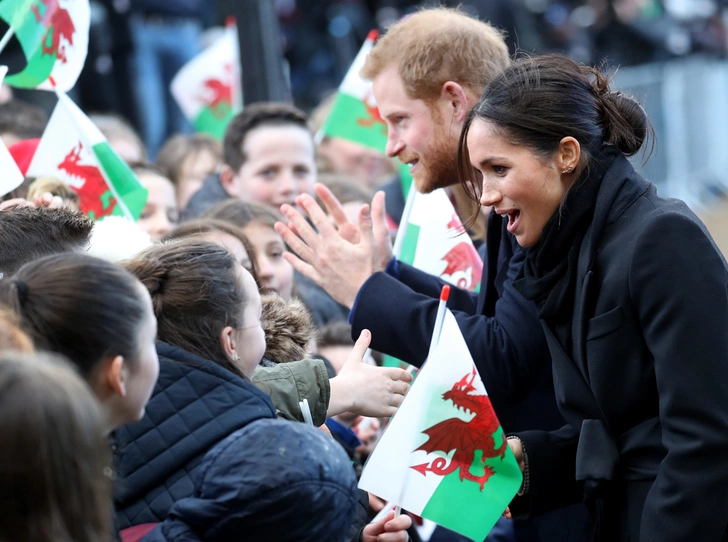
column 195, row 405
column 272, row 480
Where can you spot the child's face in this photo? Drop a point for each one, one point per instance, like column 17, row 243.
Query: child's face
column 274, row 272
column 279, row 165
column 250, row 338
column 195, row 169
column 160, row 213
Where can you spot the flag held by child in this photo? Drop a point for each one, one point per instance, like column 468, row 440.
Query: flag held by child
column 53, row 35
column 74, row 150
column 444, row 456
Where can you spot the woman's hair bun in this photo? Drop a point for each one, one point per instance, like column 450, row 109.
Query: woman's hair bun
column 627, row 126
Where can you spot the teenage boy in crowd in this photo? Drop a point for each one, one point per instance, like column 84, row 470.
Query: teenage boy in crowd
column 428, row 71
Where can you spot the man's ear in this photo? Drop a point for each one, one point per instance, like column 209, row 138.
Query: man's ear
column 115, row 375
column 230, row 181
column 456, row 99
column 228, row 344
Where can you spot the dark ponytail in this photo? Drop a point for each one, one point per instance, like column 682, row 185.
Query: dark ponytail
column 537, row 101
column 79, row 306
column 196, row 293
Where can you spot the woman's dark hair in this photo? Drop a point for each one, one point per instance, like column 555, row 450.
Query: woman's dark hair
column 197, row 228
column 79, row 306
column 537, row 101
column 55, row 464
column 196, row 293
column 241, row 213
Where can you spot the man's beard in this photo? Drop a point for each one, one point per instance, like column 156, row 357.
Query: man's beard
column 439, row 168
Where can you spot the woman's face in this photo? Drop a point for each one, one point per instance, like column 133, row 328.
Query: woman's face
column 160, row 213
column 249, row 338
column 142, row 372
column 518, row 184
column 274, row 272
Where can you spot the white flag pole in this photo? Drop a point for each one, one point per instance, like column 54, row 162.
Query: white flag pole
column 402, row 230
column 436, row 332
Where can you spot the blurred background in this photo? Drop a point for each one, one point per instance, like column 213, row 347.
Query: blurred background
column 671, row 55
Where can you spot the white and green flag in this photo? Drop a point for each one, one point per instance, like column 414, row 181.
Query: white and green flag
column 74, row 150
column 207, row 88
column 444, row 456
column 53, row 35
column 435, row 241
column 11, row 177
column 354, row 115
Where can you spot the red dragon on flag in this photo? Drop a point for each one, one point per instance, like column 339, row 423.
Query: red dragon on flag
column 373, row 116
column 60, row 26
column 96, row 199
column 464, row 437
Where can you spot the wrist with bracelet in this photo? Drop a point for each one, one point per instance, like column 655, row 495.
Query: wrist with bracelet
column 526, row 475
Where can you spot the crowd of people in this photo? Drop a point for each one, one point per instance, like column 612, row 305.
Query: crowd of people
column 153, row 372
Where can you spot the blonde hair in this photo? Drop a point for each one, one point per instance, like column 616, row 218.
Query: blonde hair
column 56, row 187
column 438, row 45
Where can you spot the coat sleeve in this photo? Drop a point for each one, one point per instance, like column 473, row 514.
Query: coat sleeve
column 678, row 282
column 551, row 466
column 506, row 347
column 429, row 285
column 287, row 384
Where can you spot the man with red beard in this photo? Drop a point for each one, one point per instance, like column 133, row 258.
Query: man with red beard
column 428, row 71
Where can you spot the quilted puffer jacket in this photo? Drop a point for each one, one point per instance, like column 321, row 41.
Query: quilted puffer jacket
column 273, row 480
column 195, row 405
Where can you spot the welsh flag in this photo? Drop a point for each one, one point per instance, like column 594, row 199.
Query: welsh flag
column 354, row 115
column 207, row 88
column 74, row 150
column 11, row 177
column 444, row 456
column 435, row 242
column 53, row 35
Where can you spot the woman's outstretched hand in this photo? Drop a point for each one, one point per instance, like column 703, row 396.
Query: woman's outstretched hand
column 366, row 390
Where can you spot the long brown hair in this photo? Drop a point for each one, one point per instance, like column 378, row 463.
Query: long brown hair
column 196, row 293
column 55, row 465
column 82, row 307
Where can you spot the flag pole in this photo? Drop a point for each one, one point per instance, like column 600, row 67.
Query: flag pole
column 436, row 332
column 402, row 230
column 6, row 38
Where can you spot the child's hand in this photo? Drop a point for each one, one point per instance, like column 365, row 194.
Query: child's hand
column 389, row 529
column 366, row 390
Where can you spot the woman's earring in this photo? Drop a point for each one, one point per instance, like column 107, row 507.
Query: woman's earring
column 568, row 170
column 237, row 357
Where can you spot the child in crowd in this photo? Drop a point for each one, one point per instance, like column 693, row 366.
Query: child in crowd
column 274, row 272
column 55, row 464
column 187, row 160
column 208, row 310
column 268, row 158
column 160, row 212
column 122, row 137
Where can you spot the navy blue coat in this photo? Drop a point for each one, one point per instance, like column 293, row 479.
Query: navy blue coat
column 195, row 405
column 272, row 480
column 500, row 327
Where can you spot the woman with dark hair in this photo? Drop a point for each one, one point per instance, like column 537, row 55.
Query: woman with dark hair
column 55, row 463
column 211, row 341
column 631, row 292
column 99, row 317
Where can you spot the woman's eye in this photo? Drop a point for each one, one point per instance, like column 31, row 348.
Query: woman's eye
column 302, row 171
column 500, row 170
column 268, row 173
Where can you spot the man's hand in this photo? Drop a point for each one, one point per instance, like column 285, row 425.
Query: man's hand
column 337, row 265
column 389, row 529
column 350, row 232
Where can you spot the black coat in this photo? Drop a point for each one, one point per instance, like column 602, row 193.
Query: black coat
column 195, row 405
column 645, row 390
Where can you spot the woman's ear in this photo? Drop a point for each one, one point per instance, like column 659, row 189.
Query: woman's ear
column 568, row 155
column 228, row 344
column 114, row 375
